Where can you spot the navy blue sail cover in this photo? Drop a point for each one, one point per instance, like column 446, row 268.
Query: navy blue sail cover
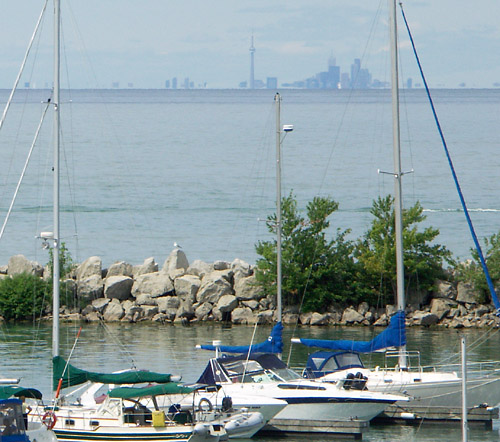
column 393, row 336
column 273, row 344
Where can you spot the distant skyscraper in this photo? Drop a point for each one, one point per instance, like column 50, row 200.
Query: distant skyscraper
column 252, row 71
column 174, row 83
column 272, row 83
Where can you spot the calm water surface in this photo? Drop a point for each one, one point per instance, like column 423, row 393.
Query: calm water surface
column 142, row 169
column 167, row 348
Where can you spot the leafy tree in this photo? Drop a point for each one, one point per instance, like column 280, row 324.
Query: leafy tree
column 376, row 251
column 66, row 264
column 23, row 296
column 313, row 267
column 472, row 271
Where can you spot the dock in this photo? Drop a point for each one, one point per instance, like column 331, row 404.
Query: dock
column 482, row 416
column 352, row 429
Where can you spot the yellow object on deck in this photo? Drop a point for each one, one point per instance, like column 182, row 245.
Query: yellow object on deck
column 158, row 418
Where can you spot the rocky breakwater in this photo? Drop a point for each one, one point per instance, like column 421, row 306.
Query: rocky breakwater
column 178, row 292
column 227, row 291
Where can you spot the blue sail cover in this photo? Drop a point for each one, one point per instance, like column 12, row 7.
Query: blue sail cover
column 273, row 344
column 393, row 336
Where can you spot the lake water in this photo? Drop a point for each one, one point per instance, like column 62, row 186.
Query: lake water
column 142, row 169
column 170, row 349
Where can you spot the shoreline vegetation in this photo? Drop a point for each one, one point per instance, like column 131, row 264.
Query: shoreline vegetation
column 326, row 281
column 184, row 293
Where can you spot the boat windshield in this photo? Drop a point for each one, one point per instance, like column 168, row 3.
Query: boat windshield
column 252, row 371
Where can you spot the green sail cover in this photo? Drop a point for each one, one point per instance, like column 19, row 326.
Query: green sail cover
column 8, row 391
column 76, row 376
column 155, row 390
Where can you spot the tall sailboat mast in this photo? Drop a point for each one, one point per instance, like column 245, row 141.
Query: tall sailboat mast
column 56, row 245
column 277, row 99
column 398, row 203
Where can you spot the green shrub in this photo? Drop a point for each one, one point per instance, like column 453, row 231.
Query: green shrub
column 23, row 296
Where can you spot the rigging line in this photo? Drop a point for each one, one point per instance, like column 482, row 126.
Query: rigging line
column 2, row 230
column 23, row 64
column 117, row 341
column 455, row 178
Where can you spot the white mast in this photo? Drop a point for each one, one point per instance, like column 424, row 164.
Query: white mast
column 55, row 250
column 277, row 99
column 398, row 204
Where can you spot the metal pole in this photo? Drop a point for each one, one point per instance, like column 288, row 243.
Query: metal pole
column 277, row 99
column 398, row 204
column 465, row 427
column 55, row 250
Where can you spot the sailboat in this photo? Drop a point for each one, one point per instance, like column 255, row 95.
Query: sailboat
column 257, row 370
column 432, row 388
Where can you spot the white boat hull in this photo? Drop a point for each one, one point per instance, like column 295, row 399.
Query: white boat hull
column 437, row 389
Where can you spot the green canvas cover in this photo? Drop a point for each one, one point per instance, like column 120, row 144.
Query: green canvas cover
column 155, row 390
column 76, row 376
column 7, row 391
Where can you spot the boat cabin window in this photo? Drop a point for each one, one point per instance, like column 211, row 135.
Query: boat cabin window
column 330, row 365
column 347, row 360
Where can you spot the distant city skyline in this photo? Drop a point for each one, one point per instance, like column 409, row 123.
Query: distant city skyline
column 147, row 43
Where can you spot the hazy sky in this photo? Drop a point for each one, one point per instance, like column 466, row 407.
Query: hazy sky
column 147, row 42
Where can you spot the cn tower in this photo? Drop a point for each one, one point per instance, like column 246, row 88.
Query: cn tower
column 252, row 78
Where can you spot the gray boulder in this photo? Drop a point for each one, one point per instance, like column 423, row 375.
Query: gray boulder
column 246, row 289
column 148, row 266
column 444, row 289
column 425, row 318
column 90, row 267
column 242, row 315
column 118, row 287
column 120, row 268
column 168, row 303
column 90, row 288
column 185, row 311
column 221, row 265
column 440, row 308
column 20, row 264
column 213, row 286
column 227, row 303
column 250, row 304
column 176, row 264
column 113, row 311
column 100, row 304
column 466, row 293
column 319, row 319
column 154, row 284
column 203, row 310
column 200, row 268
column 351, row 316
column 187, row 286
column 146, row 299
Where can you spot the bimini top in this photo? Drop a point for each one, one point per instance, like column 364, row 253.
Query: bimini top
column 7, row 391
column 75, row 376
column 393, row 336
column 257, row 367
